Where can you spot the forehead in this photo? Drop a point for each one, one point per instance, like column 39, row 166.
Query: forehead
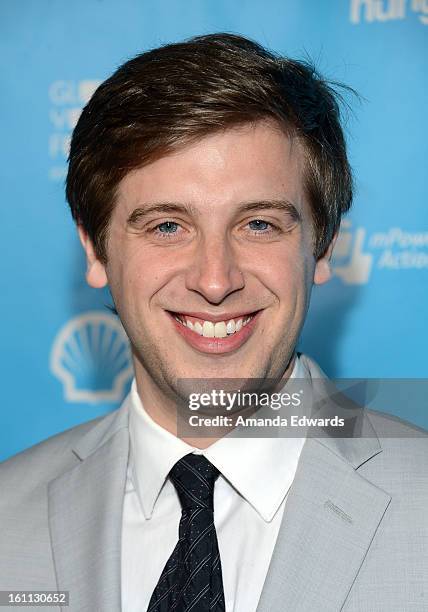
column 220, row 171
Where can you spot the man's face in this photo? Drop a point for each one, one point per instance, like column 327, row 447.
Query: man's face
column 217, row 235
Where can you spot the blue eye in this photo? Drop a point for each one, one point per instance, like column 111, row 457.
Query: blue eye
column 259, row 224
column 170, row 227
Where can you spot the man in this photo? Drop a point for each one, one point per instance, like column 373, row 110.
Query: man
column 207, row 180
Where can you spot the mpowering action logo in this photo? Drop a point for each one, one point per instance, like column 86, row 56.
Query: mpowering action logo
column 387, row 10
column 356, row 254
column 353, row 264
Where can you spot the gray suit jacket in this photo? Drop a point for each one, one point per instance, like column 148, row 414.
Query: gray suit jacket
column 354, row 535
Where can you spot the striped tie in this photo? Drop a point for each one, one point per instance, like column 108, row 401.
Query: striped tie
column 191, row 580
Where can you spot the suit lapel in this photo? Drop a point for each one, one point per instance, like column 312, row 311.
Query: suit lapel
column 85, row 517
column 330, row 518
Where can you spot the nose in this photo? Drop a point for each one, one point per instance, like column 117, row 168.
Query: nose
column 214, row 272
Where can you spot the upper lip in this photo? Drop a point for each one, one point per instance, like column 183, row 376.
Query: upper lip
column 206, row 316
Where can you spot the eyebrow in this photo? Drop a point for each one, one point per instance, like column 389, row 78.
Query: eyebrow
column 141, row 212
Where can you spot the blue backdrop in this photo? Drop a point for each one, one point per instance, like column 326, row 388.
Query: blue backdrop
column 63, row 356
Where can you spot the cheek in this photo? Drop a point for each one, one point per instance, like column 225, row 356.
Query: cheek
column 292, row 284
column 137, row 275
column 289, row 275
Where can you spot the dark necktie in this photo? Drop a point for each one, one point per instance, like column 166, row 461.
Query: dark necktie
column 191, row 580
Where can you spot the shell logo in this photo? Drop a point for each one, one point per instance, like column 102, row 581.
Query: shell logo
column 91, row 357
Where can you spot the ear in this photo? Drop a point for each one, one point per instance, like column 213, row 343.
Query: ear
column 322, row 267
column 95, row 271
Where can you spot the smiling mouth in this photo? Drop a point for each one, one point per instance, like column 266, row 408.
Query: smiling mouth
column 212, row 335
column 214, row 329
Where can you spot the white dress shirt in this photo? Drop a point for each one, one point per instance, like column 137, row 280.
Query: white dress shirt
column 249, row 499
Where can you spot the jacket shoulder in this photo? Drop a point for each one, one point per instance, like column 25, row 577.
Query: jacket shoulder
column 44, row 460
column 404, row 457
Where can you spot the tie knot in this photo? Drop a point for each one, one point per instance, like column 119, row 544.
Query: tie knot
column 194, row 477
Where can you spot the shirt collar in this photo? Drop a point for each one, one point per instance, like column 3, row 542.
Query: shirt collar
column 260, row 469
column 154, row 451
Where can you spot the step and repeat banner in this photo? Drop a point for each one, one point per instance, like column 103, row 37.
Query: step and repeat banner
column 64, row 357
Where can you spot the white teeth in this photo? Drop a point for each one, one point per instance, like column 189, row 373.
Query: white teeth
column 230, row 327
column 208, row 329
column 220, row 330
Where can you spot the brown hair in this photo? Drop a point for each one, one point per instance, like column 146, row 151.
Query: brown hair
column 178, row 93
